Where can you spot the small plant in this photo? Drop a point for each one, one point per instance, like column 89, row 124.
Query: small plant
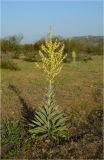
column 74, row 55
column 49, row 122
column 12, row 136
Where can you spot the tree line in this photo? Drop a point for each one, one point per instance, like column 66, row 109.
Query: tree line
column 83, row 46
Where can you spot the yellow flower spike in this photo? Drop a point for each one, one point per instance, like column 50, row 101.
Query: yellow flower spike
column 50, row 34
column 52, row 57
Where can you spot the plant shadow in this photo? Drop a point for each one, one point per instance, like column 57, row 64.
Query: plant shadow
column 27, row 112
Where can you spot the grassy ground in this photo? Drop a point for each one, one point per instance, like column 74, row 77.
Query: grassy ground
column 78, row 92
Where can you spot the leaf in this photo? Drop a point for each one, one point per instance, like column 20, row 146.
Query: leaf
column 37, row 118
column 32, row 125
column 61, row 121
column 43, row 111
column 60, row 129
column 37, row 130
column 57, row 118
column 55, row 113
column 36, row 123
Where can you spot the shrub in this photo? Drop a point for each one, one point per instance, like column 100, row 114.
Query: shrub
column 8, row 63
column 30, row 56
column 84, row 57
column 16, row 54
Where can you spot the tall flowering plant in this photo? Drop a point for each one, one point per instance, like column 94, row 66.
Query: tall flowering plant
column 49, row 121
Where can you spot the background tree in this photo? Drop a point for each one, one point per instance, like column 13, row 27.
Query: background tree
column 11, row 45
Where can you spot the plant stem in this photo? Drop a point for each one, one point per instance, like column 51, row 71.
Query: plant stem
column 50, row 84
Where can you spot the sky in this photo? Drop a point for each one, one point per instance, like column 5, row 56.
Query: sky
column 68, row 18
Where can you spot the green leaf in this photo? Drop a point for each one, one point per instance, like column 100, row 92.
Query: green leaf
column 43, row 110
column 37, row 130
column 36, row 123
column 39, row 118
column 54, row 113
column 61, row 121
column 59, row 129
column 57, row 118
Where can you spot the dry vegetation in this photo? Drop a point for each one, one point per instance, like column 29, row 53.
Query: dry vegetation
column 79, row 94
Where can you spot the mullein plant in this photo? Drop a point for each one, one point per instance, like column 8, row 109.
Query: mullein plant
column 74, row 55
column 50, row 122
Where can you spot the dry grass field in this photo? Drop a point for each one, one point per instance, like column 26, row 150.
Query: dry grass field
column 79, row 86
column 78, row 91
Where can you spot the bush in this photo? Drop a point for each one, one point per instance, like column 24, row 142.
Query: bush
column 84, row 57
column 30, row 56
column 16, row 55
column 80, row 57
column 8, row 63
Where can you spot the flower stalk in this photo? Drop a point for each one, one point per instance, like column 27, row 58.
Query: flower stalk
column 52, row 57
